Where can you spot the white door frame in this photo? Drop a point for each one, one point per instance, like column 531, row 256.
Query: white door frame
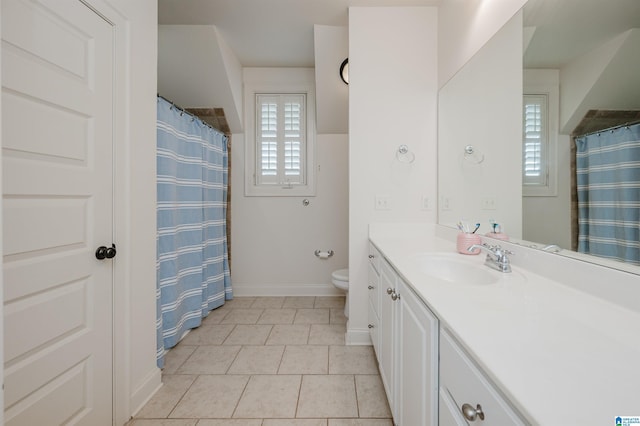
column 121, row 217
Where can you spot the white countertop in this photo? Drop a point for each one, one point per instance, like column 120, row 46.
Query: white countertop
column 562, row 356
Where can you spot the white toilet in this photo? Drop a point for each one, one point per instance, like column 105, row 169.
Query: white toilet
column 340, row 279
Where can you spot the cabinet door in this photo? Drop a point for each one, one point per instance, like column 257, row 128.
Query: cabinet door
column 387, row 333
column 417, row 360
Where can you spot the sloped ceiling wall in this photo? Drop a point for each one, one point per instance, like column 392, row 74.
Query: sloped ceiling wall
column 607, row 78
column 197, row 69
column 331, row 46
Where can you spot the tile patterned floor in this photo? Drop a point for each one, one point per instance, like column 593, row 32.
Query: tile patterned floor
column 269, row 361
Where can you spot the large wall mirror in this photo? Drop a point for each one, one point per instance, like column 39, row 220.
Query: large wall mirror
column 584, row 56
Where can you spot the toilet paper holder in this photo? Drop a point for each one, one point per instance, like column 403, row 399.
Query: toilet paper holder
column 323, row 254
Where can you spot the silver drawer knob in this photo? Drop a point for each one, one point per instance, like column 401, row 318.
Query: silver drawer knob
column 370, row 287
column 371, row 256
column 370, row 326
column 390, row 290
column 471, row 413
column 395, row 296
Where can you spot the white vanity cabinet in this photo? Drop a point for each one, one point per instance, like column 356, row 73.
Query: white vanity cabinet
column 373, row 283
column 406, row 348
column 466, row 396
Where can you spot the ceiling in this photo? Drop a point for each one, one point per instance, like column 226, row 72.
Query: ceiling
column 268, row 33
column 279, row 33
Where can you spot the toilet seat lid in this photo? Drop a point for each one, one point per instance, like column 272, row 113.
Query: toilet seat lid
column 341, row 275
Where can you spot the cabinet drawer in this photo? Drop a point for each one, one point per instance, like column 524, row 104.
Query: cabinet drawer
column 372, row 285
column 465, row 383
column 374, row 329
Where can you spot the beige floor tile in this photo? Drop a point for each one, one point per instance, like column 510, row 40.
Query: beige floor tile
column 176, row 357
column 327, row 334
column 312, row 316
column 215, row 316
column 268, row 302
column 304, row 360
column 238, row 302
column 352, row 360
column 277, row 316
column 287, row 334
column 248, row 335
column 208, row 335
column 269, row 397
column 329, row 302
column 299, row 302
column 294, row 422
column 360, row 422
column 230, row 422
column 242, row 316
column 257, row 360
column 210, row 360
column 327, row 396
column 211, row 397
column 336, row 316
column 163, row 422
column 372, row 400
column 161, row 404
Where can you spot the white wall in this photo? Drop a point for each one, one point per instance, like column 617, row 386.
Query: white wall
column 274, row 238
column 465, row 26
column 392, row 101
column 1, row 267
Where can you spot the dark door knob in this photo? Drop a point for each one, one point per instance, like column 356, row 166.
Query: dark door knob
column 111, row 252
column 101, row 253
column 104, row 252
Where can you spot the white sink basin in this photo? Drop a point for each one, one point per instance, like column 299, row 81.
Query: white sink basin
column 451, row 267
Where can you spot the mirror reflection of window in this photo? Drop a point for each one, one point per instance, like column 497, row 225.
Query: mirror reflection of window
column 535, row 140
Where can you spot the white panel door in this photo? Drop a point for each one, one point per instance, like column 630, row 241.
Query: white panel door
column 57, row 118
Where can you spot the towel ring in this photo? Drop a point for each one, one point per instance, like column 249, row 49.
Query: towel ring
column 403, row 154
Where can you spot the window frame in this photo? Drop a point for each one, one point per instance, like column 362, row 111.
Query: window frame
column 253, row 185
column 550, row 151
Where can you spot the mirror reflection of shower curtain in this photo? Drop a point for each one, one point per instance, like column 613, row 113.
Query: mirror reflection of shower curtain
column 192, row 181
column 608, row 180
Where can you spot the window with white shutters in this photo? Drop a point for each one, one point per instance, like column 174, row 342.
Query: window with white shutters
column 280, row 132
column 540, row 132
column 535, row 141
column 280, row 139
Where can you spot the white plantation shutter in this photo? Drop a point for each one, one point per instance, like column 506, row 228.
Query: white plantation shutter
column 535, row 140
column 281, row 139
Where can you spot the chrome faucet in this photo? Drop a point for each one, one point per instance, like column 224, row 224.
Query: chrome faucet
column 497, row 257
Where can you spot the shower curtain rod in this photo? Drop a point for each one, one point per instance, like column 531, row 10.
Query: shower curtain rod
column 610, row 129
column 184, row 111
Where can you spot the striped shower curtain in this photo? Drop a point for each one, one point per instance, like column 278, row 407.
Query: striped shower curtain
column 608, row 179
column 193, row 267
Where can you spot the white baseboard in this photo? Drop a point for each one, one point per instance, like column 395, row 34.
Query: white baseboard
column 240, row 289
column 358, row 337
column 143, row 393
